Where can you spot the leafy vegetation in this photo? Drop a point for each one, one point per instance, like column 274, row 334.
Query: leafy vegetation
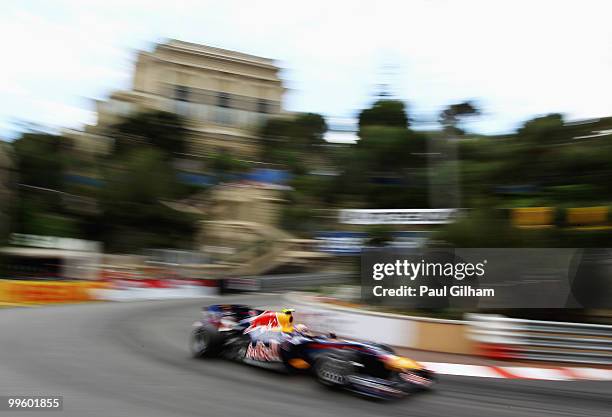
column 547, row 162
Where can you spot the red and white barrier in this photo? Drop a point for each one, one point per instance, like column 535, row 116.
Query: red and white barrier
column 156, row 289
column 521, row 372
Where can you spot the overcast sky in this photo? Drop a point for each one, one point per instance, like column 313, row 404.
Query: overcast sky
column 516, row 58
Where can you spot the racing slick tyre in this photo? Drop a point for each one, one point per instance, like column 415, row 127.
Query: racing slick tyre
column 332, row 368
column 204, row 342
column 236, row 347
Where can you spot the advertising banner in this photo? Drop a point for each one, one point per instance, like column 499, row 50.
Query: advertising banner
column 397, row 216
column 44, row 292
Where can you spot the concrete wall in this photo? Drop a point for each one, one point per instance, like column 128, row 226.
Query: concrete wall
column 449, row 336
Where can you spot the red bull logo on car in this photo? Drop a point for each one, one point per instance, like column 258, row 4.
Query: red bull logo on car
column 272, row 321
column 265, row 321
column 263, row 353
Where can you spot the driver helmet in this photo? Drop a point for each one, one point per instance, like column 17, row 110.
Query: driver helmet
column 285, row 320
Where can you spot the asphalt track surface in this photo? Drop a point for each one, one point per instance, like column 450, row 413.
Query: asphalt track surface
column 131, row 359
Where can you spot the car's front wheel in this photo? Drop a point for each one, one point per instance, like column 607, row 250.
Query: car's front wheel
column 332, row 369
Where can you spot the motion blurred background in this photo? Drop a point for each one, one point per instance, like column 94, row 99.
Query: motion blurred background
column 132, row 159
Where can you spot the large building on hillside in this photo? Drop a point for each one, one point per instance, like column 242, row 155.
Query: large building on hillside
column 223, row 94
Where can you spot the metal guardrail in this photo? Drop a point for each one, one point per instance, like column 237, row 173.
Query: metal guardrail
column 286, row 282
column 502, row 337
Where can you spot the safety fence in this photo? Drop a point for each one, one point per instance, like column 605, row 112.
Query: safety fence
column 501, row 337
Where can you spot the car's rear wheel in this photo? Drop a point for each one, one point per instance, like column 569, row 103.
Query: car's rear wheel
column 236, row 347
column 203, row 342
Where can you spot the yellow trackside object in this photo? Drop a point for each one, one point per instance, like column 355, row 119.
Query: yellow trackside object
column 19, row 292
column 533, row 217
column 587, row 216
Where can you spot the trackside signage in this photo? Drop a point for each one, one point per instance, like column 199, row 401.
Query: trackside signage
column 399, row 216
column 52, row 242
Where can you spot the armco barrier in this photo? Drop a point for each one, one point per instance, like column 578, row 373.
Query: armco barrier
column 397, row 330
column 497, row 336
column 47, row 292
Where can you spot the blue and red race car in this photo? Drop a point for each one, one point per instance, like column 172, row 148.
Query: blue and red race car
column 270, row 339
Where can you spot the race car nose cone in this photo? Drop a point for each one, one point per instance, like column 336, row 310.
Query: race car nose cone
column 399, row 362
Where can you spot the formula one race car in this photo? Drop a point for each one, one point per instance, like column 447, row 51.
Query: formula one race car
column 270, row 339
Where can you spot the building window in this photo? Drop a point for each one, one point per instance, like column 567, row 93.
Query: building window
column 182, row 108
column 223, row 100
column 181, row 93
column 224, row 116
column 263, row 106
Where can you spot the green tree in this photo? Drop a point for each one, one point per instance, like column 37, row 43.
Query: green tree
column 452, row 116
column 390, row 113
column 310, row 128
column 384, row 169
column 542, row 129
column 390, row 149
column 40, row 160
column 293, row 143
column 158, row 129
column 133, row 216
